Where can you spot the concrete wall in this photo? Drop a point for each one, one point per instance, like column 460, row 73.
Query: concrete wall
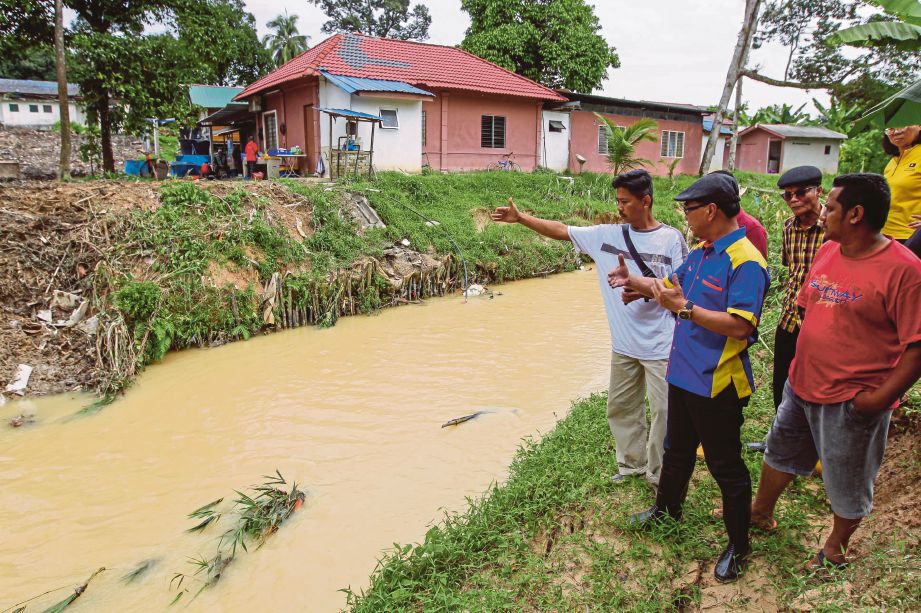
column 584, row 141
column 752, row 151
column 453, row 130
column 554, row 146
column 800, row 152
column 26, row 118
column 720, row 154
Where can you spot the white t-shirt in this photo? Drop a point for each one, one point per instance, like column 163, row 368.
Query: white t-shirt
column 641, row 329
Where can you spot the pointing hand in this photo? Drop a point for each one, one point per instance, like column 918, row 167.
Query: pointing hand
column 508, row 214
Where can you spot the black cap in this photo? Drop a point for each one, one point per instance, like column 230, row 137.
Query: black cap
column 717, row 187
column 801, row 175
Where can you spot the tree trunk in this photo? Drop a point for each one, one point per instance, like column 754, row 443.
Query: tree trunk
column 734, row 142
column 749, row 25
column 105, row 132
column 63, row 99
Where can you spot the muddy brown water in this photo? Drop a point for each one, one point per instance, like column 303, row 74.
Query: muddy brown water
column 352, row 413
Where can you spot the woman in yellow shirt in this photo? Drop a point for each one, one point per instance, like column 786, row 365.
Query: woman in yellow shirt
column 903, row 172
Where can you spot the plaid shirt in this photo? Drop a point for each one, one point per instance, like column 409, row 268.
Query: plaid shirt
column 799, row 248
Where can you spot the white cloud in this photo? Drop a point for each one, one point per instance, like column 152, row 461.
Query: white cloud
column 670, row 50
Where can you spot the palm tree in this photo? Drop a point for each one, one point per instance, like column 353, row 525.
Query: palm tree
column 285, row 43
column 900, row 27
column 622, row 143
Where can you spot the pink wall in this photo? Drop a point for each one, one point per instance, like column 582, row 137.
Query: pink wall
column 752, row 152
column 289, row 106
column 584, row 141
column 453, row 124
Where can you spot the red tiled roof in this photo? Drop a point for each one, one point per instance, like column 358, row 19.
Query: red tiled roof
column 421, row 64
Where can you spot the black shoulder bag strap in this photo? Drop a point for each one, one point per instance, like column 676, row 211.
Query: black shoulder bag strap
column 636, row 256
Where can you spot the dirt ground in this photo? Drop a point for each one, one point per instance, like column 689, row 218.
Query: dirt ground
column 53, row 236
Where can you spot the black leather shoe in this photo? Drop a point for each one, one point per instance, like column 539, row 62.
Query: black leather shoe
column 645, row 519
column 730, row 563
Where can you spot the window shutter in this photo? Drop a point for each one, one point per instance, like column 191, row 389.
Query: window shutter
column 603, row 139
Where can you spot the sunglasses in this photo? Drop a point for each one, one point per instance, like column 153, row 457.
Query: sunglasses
column 799, row 193
column 891, row 131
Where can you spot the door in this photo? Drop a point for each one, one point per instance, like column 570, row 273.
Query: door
column 773, row 163
column 310, row 146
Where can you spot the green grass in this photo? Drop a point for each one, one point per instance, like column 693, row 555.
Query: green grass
column 555, row 536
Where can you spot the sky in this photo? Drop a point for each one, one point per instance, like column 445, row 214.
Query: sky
column 670, row 50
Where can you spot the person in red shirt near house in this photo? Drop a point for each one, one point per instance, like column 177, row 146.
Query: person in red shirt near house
column 858, row 351
column 252, row 151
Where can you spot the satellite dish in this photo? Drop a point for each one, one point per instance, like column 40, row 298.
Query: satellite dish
column 581, row 161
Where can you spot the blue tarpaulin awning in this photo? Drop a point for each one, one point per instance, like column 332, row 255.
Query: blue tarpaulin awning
column 360, row 85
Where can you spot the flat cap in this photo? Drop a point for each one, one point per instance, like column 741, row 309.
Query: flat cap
column 717, row 187
column 801, row 175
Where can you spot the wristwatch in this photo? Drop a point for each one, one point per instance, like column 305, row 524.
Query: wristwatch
column 685, row 313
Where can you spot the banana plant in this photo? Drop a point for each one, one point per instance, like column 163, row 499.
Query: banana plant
column 903, row 31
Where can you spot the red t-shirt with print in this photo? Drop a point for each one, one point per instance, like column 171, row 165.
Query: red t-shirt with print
column 860, row 316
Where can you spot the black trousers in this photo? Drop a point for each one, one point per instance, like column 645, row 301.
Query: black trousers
column 784, row 350
column 715, row 424
column 913, row 242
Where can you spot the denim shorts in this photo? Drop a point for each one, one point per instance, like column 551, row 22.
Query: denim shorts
column 849, row 445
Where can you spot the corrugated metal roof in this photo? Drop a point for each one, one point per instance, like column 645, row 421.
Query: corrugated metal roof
column 350, row 113
column 788, row 131
column 35, row 88
column 212, row 96
column 672, row 107
column 724, row 129
column 420, row 64
column 362, row 84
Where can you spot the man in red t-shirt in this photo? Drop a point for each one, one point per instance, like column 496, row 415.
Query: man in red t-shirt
column 859, row 350
column 252, row 151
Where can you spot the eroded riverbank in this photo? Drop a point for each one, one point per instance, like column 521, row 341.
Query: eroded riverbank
column 352, row 413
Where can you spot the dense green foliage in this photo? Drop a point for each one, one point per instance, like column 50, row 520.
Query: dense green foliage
column 382, row 18
column 554, row 42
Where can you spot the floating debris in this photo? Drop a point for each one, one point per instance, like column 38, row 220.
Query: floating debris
column 258, row 516
column 139, row 570
column 459, row 420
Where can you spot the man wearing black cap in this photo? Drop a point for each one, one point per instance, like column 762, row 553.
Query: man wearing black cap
column 717, row 294
column 803, row 234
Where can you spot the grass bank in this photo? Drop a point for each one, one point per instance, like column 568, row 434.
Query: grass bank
column 555, row 535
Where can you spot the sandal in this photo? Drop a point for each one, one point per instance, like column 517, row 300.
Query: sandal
column 821, row 561
column 718, row 514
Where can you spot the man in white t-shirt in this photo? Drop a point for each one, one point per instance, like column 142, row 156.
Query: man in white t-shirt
column 641, row 330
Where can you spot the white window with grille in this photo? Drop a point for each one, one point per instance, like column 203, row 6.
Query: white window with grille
column 492, row 132
column 270, row 130
column 672, row 144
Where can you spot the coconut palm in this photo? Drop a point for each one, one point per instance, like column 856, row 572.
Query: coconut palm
column 285, row 42
column 622, row 143
column 901, row 27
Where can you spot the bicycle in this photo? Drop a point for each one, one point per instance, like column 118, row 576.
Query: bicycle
column 506, row 164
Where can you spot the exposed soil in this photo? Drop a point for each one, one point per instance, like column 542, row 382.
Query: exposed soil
column 60, row 236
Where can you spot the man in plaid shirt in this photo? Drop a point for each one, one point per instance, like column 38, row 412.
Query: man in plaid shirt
column 803, row 234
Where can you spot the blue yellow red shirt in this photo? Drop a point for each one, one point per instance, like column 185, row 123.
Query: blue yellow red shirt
column 728, row 275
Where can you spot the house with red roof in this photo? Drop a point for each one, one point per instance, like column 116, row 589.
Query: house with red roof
column 439, row 106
